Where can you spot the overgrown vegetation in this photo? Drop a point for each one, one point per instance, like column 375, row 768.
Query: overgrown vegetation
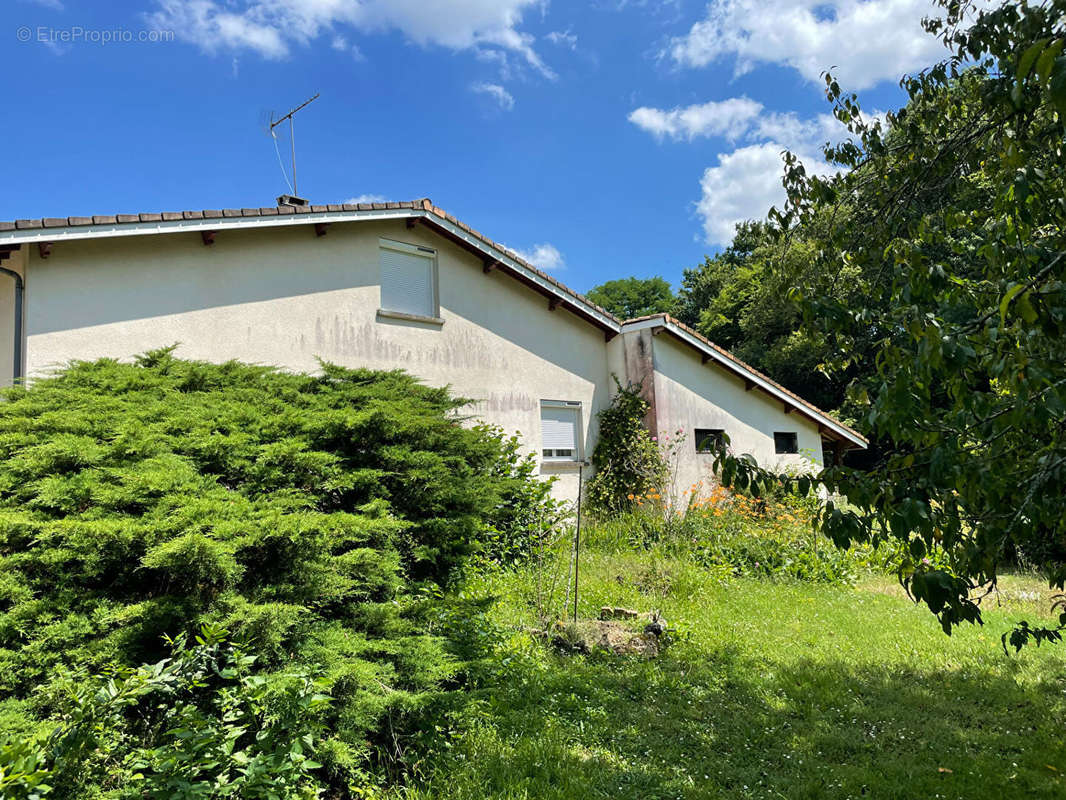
column 314, row 518
column 733, row 535
column 767, row 689
column 954, row 235
column 627, row 458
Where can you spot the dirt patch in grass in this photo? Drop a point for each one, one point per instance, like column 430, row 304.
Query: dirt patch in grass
column 607, row 635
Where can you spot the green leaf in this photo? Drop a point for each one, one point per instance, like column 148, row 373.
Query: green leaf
column 1025, row 308
column 1011, row 293
column 1025, row 63
column 1057, row 87
column 1047, row 60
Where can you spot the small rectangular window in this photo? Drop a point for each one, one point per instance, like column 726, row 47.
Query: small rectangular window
column 709, row 440
column 408, row 280
column 785, row 442
column 560, row 430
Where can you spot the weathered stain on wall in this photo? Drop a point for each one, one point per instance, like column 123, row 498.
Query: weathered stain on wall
column 285, row 297
column 691, row 394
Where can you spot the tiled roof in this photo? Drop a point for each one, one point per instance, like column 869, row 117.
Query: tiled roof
column 743, row 366
column 424, row 209
column 422, row 205
column 226, row 213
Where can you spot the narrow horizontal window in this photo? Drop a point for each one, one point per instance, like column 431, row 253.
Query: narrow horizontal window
column 560, row 430
column 785, row 442
column 408, row 280
column 709, row 440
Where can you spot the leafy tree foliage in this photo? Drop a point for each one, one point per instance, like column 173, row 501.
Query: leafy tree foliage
column 634, row 297
column 311, row 516
column 738, row 299
column 955, row 234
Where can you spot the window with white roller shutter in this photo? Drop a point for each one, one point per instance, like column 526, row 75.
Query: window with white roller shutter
column 560, row 430
column 408, row 279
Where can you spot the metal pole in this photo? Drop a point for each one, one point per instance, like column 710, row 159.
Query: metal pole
column 292, row 142
column 577, row 533
column 292, row 135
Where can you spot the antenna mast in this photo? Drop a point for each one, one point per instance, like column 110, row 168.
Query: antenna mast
column 292, row 133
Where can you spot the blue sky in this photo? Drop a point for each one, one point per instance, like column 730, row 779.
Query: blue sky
column 601, row 139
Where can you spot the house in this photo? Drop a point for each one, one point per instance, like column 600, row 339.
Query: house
column 387, row 285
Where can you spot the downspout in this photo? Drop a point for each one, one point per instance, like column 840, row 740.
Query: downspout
column 18, row 320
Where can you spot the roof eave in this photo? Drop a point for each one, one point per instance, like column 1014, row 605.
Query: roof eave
column 256, row 218
column 825, row 423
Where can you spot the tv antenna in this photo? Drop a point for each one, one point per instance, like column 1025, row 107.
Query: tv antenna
column 292, row 138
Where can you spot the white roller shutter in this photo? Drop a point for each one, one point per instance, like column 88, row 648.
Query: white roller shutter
column 559, row 427
column 407, row 283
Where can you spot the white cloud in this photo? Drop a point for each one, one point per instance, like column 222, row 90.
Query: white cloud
column 272, row 27
column 738, row 118
column 544, row 256
column 367, row 198
column 866, row 41
column 563, row 39
column 500, row 95
column 744, row 185
column 747, row 181
column 729, row 118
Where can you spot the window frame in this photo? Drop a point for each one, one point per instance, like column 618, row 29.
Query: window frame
column 578, row 455
column 717, row 433
column 794, row 443
column 420, row 251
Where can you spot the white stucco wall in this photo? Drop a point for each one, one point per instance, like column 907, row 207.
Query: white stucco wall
column 284, row 297
column 690, row 394
column 14, row 262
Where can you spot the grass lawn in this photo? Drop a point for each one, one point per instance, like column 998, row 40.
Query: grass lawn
column 770, row 690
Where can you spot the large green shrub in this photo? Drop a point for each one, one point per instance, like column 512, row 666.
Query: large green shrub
column 312, row 516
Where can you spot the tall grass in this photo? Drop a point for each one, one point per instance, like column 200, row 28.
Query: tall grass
column 769, row 537
column 782, row 679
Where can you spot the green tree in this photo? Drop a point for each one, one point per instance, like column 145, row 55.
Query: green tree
column 956, row 236
column 634, row 297
column 736, row 299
